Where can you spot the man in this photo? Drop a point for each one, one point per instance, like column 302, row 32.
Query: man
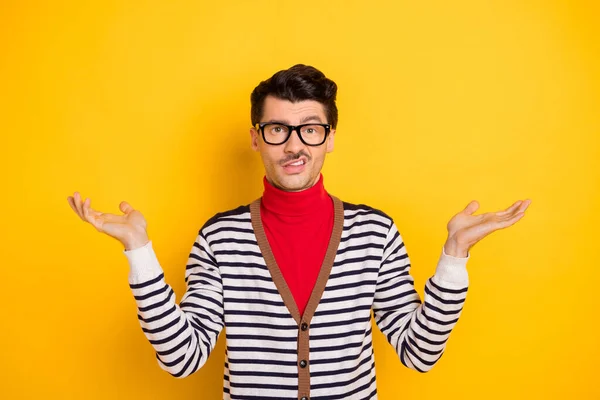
column 294, row 275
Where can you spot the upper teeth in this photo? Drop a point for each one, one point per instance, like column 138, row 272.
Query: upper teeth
column 300, row 162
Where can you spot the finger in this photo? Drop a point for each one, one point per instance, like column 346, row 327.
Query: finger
column 86, row 210
column 71, row 201
column 501, row 224
column 125, row 207
column 78, row 204
column 471, row 208
column 524, row 205
column 510, row 209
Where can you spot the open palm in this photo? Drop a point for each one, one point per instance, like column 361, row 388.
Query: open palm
column 466, row 229
column 129, row 228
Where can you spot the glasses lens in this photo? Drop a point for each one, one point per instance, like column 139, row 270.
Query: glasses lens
column 313, row 134
column 275, row 133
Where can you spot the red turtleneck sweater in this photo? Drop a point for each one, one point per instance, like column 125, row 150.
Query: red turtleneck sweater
column 298, row 226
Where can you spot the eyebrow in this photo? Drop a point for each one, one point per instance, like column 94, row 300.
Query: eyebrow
column 303, row 120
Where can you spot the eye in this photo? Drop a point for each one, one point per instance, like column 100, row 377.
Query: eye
column 275, row 129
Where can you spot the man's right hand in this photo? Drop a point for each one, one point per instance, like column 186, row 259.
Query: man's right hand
column 129, row 228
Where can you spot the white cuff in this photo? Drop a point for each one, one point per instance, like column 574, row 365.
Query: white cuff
column 452, row 269
column 143, row 264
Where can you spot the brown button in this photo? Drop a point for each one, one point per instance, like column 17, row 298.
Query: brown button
column 303, row 364
column 304, row 326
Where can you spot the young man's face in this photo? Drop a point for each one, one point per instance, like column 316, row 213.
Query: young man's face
column 278, row 159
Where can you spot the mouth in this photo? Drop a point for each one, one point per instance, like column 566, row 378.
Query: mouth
column 296, row 166
column 296, row 163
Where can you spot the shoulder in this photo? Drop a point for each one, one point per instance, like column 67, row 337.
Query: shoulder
column 363, row 212
column 235, row 217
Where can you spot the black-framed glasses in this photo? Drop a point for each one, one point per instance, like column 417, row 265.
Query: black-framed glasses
column 310, row 134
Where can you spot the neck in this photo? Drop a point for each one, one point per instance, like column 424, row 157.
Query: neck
column 289, row 203
column 293, row 191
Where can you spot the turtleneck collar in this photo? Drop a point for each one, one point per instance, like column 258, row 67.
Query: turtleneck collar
column 304, row 202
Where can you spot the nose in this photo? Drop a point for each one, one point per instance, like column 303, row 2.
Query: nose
column 294, row 144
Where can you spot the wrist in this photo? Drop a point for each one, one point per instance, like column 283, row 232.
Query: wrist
column 454, row 249
column 136, row 241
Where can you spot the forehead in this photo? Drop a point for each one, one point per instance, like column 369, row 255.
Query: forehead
column 280, row 110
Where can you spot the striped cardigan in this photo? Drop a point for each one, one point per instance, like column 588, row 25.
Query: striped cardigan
column 273, row 352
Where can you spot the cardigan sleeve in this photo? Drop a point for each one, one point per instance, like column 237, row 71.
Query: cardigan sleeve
column 418, row 330
column 182, row 335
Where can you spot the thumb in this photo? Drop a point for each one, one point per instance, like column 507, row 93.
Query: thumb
column 471, row 208
column 125, row 207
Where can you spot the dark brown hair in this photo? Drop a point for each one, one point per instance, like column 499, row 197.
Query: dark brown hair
column 298, row 83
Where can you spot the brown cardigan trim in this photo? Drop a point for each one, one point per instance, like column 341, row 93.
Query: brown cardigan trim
column 332, row 248
column 267, row 253
column 303, row 321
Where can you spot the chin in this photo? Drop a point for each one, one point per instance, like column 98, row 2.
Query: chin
column 294, row 183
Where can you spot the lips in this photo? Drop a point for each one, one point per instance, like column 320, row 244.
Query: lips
column 295, row 166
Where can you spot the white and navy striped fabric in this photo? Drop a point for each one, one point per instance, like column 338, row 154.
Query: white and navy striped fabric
column 229, row 284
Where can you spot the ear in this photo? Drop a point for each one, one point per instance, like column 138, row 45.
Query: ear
column 330, row 140
column 254, row 139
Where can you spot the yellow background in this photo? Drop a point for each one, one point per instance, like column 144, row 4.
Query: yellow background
column 441, row 102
